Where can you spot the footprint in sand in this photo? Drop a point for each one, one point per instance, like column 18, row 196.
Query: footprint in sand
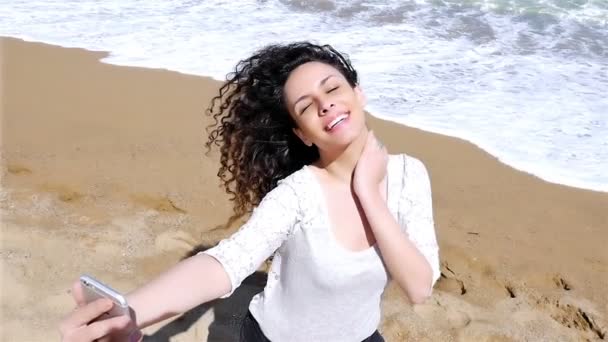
column 158, row 203
column 454, row 317
column 560, row 282
column 174, row 240
column 451, row 285
column 63, row 192
column 458, row 319
column 449, row 281
column 17, row 169
column 573, row 317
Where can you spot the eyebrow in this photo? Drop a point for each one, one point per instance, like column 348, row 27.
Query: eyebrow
column 320, row 84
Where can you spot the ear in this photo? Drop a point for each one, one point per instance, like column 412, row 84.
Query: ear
column 360, row 96
column 302, row 137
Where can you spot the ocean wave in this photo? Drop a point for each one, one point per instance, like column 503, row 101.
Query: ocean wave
column 525, row 81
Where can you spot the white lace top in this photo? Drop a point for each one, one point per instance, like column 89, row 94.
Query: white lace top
column 318, row 290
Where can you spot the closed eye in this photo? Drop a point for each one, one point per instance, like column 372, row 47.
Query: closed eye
column 332, row 89
column 304, row 109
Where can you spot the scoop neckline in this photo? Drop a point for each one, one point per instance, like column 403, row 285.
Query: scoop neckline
column 322, row 207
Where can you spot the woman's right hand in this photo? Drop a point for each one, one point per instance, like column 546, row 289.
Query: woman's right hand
column 78, row 326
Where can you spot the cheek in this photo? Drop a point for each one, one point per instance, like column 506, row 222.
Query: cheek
column 358, row 118
column 350, row 100
column 304, row 125
column 308, row 126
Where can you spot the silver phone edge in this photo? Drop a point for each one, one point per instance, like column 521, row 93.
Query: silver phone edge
column 107, row 291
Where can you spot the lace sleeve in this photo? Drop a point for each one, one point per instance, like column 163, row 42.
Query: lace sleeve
column 270, row 224
column 419, row 225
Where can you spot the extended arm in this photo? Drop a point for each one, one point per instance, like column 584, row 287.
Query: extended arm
column 218, row 271
column 191, row 282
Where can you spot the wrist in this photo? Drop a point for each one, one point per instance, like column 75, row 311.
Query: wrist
column 136, row 334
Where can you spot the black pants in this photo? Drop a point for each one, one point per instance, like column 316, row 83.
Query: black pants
column 251, row 332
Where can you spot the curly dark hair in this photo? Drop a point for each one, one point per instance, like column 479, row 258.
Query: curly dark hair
column 252, row 125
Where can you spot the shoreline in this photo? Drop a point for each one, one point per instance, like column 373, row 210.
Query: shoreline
column 110, row 159
column 517, row 165
column 600, row 188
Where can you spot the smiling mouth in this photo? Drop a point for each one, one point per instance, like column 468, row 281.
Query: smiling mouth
column 335, row 122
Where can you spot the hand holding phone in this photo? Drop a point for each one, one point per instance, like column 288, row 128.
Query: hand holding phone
column 93, row 289
column 100, row 313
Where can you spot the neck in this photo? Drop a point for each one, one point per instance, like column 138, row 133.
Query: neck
column 340, row 165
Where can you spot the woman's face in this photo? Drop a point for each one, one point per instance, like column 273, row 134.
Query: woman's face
column 327, row 110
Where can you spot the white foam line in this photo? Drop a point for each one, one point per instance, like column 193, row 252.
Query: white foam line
column 521, row 166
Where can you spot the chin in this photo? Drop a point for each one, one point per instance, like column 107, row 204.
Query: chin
column 346, row 140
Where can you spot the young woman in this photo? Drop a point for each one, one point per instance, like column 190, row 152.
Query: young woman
column 338, row 213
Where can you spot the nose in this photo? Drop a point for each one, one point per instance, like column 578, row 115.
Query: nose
column 326, row 108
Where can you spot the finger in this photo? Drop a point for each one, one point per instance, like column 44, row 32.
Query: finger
column 101, row 329
column 78, row 294
column 89, row 312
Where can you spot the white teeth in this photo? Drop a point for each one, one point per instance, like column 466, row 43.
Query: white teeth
column 335, row 121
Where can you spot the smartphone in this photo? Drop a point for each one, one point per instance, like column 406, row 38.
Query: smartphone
column 94, row 289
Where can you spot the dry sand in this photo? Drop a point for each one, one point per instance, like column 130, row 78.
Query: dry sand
column 104, row 172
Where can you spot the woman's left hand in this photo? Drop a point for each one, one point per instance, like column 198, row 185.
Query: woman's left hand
column 371, row 167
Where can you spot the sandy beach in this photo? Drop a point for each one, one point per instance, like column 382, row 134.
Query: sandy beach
column 104, row 172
